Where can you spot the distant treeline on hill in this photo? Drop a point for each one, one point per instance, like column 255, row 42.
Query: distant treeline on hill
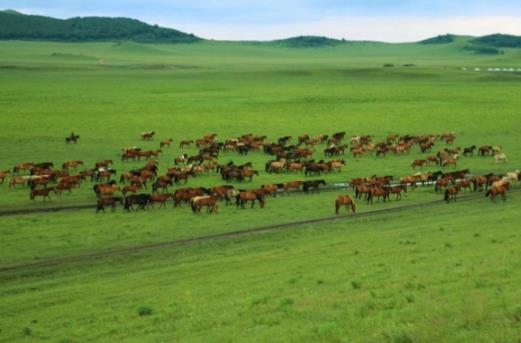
column 14, row 25
column 500, row 40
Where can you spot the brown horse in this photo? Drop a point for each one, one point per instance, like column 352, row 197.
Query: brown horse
column 165, row 142
column 111, row 201
column 244, row 197
column 464, row 184
column 3, row 175
column 72, row 164
column 418, row 163
column 210, row 201
column 146, row 136
column 378, row 192
column 292, row 185
column 344, row 200
column 451, row 193
column 397, row 190
column 493, row 192
column 130, row 189
column 44, row 192
column 160, row 198
column 184, row 143
column 103, row 163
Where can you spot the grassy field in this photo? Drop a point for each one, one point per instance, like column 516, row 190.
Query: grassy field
column 460, row 286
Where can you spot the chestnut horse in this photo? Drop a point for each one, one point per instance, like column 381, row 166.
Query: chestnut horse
column 344, row 200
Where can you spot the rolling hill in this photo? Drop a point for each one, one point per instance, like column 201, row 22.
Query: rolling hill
column 19, row 26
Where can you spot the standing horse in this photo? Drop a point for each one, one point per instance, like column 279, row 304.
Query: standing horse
column 493, row 192
column 451, row 193
column 112, row 201
column 210, row 201
column 244, row 197
column 312, row 185
column 397, row 190
column 344, row 200
column 44, row 192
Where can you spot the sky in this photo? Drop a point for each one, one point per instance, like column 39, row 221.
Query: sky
column 380, row 20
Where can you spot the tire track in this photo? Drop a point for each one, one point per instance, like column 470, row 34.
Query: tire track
column 49, row 262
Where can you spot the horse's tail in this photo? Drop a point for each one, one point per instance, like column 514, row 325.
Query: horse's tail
column 446, row 197
column 337, row 206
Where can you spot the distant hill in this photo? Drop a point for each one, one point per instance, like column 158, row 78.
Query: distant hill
column 500, row 40
column 15, row 25
column 309, row 42
column 441, row 39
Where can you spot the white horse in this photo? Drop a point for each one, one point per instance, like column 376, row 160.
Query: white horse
column 500, row 157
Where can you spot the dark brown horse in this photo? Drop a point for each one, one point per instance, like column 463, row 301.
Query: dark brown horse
column 345, row 200
column 451, row 193
column 110, row 201
column 44, row 192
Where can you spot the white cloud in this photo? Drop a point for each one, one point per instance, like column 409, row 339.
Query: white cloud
column 378, row 28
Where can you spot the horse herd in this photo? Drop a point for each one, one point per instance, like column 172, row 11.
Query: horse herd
column 288, row 158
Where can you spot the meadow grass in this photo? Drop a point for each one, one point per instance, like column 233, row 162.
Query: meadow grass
column 402, row 277
column 443, row 274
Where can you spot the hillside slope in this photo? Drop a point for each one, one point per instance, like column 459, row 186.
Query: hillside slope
column 33, row 27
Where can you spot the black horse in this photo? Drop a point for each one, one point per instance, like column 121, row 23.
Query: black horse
column 469, row 151
column 312, row 185
column 141, row 200
column 72, row 138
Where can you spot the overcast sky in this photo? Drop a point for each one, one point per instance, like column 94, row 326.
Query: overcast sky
column 382, row 20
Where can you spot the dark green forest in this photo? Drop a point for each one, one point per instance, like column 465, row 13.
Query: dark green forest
column 14, row 25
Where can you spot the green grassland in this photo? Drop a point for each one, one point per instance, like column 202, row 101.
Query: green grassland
column 286, row 286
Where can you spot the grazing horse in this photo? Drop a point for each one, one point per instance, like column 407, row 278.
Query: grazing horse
column 292, row 185
column 244, row 197
column 141, row 200
column 272, row 188
column 485, row 150
column 72, row 138
column 469, row 151
column 500, row 157
column 3, row 175
column 493, row 192
column 103, row 164
column 44, row 192
column 479, row 182
column 397, row 190
column 344, row 200
column 451, row 193
column 312, row 185
column 418, row 163
column 146, row 136
column 464, row 184
column 72, row 164
column 210, row 201
column 409, row 180
column 184, row 143
column 165, row 142
column 442, row 182
column 112, row 201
